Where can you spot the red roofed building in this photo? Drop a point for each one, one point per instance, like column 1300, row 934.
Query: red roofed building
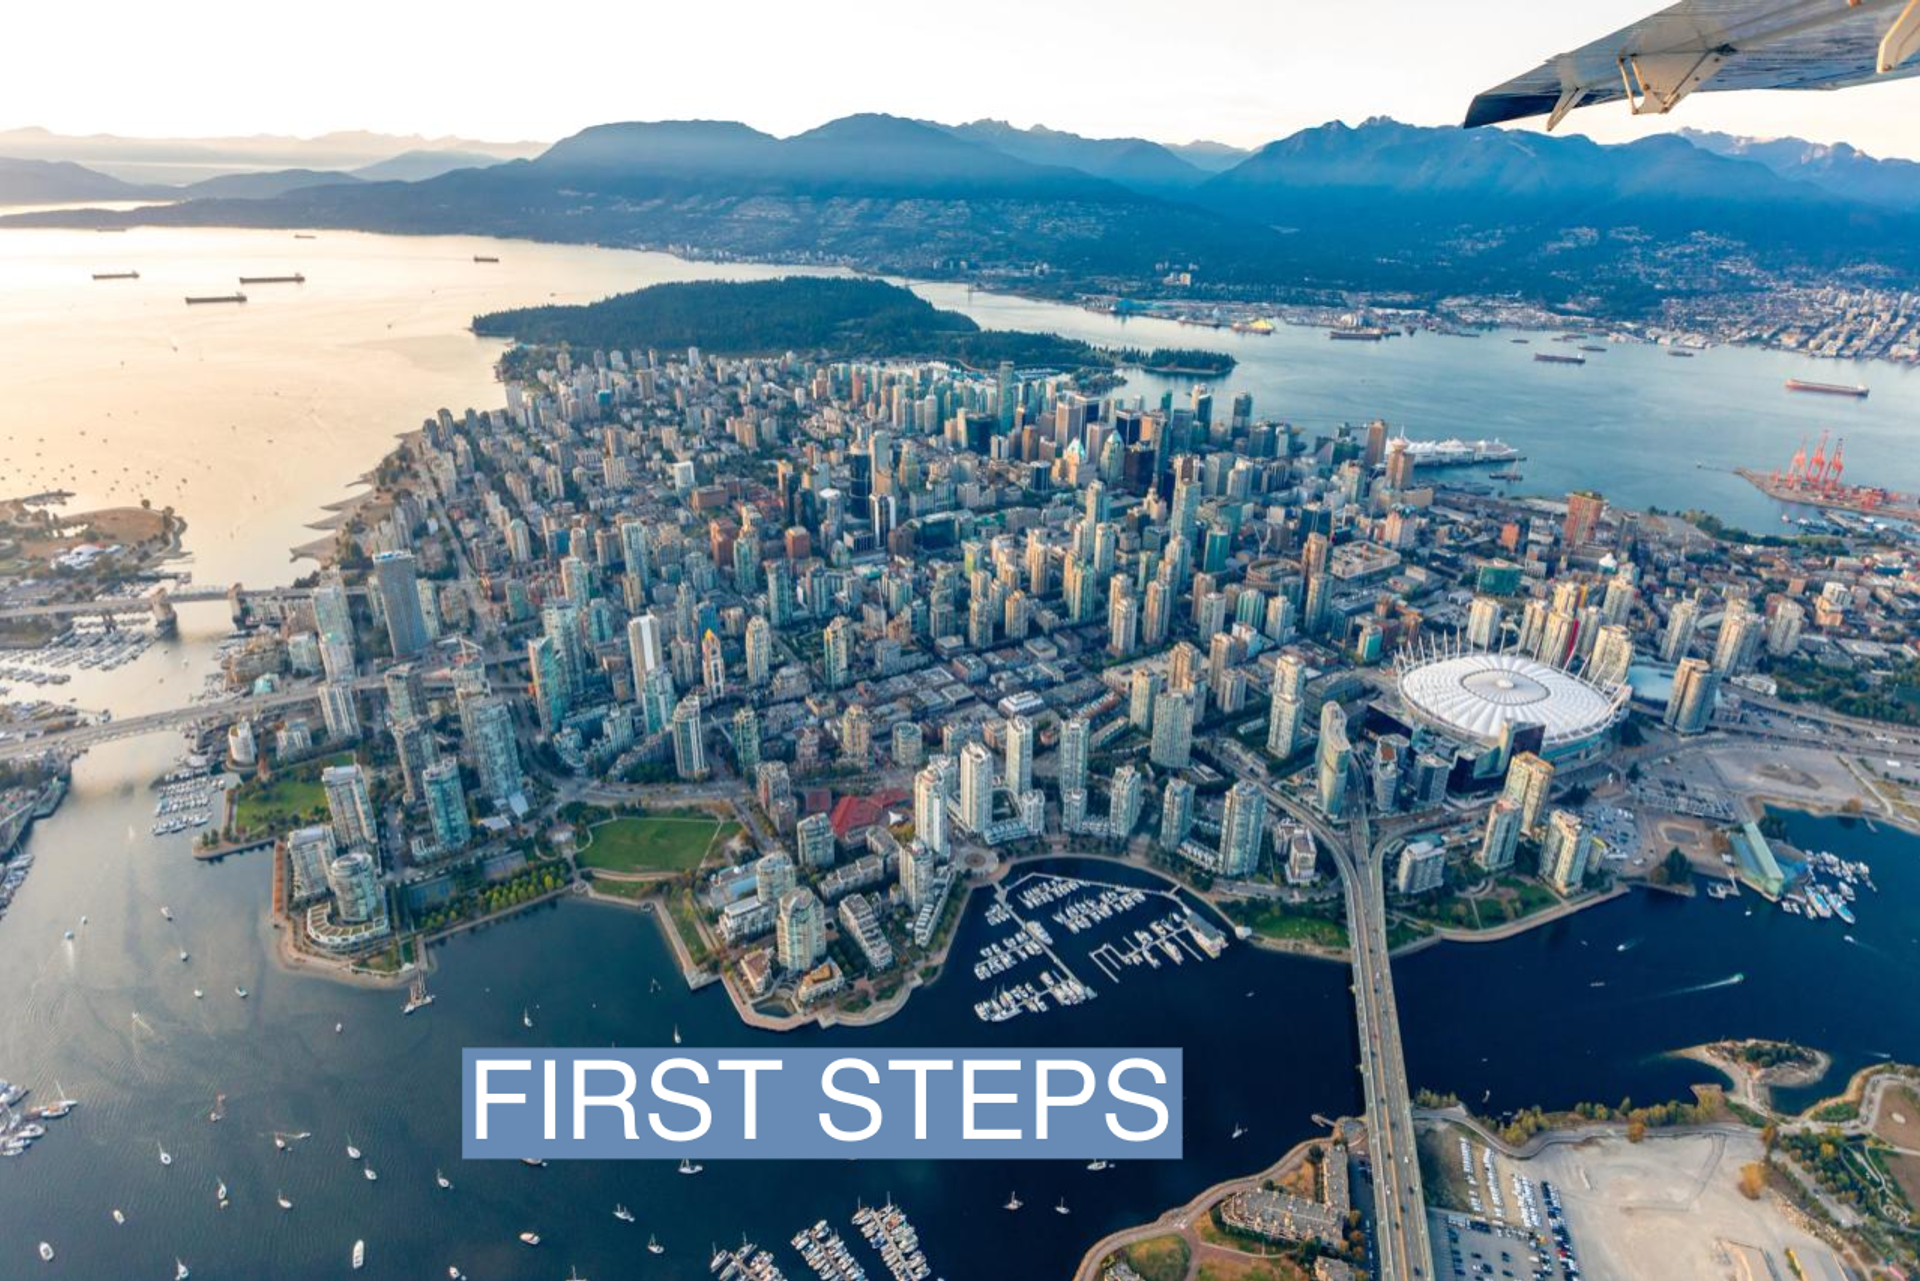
column 855, row 814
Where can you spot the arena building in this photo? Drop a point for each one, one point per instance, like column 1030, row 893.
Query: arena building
column 1483, row 699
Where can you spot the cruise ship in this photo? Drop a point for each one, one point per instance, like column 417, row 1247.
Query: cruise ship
column 1460, row 453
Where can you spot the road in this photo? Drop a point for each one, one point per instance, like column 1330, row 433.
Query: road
column 1400, row 1212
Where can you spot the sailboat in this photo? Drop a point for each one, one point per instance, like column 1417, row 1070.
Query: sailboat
column 442, row 1180
column 1013, row 1201
column 676, row 1034
column 1238, row 1129
column 368, row 1171
column 165, row 1157
column 1062, row 1207
column 526, row 1018
column 285, row 1204
column 688, row 1167
column 353, row 1153
column 623, row 1214
column 654, row 1246
column 180, row 1272
column 418, row 998
column 220, row 1193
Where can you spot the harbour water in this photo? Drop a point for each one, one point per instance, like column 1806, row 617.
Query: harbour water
column 279, row 407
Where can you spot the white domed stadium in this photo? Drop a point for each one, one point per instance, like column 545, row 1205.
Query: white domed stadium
column 1474, row 696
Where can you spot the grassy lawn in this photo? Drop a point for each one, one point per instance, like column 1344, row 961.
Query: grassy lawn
column 633, row 891
column 287, row 800
column 1162, row 1258
column 686, row 920
column 653, row 844
column 1274, row 920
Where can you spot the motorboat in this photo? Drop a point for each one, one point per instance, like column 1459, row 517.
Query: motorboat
column 442, row 1180
column 529, row 1238
column 282, row 1199
column 46, row 1252
column 369, row 1172
column 166, row 1158
column 119, row 1216
column 353, row 1153
column 654, row 1246
column 359, row 1255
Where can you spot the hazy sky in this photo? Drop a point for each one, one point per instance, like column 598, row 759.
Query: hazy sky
column 1242, row 71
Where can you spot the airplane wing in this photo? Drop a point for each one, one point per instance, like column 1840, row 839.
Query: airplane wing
column 1707, row 45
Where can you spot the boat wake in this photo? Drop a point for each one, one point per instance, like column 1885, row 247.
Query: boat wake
column 1627, row 946
column 1732, row 980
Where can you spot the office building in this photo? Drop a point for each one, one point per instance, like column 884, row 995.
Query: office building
column 399, row 585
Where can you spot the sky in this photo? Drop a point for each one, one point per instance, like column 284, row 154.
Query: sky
column 1240, row 71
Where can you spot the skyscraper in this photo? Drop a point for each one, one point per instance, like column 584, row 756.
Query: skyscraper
column 1172, row 744
column 689, row 746
column 356, row 888
column 800, row 931
column 813, row 838
column 1612, row 656
column 1584, row 510
column 1176, row 813
column 930, row 807
column 399, row 586
column 1243, row 829
column 1019, row 765
column 976, row 788
column 1529, row 785
column 1678, row 637
column 1073, row 754
column 496, row 754
column 746, row 741
column 446, row 804
column 1502, row 836
column 350, row 805
column 1739, row 640
column 1334, row 761
column 1564, row 851
column 1690, row 705
column 759, row 645
column 837, row 652
column 1483, row 623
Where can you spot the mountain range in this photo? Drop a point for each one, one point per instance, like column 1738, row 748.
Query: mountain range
column 1381, row 207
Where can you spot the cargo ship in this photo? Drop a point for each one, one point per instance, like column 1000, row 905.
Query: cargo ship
column 116, row 275
column 1555, row 358
column 1358, row 333
column 485, row 258
column 1828, row 389
column 295, row 279
column 196, row 299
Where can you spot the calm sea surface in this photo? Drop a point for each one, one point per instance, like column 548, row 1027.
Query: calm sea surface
column 249, row 420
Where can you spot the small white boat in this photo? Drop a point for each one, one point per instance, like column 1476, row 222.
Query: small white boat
column 180, row 1272
column 369, row 1172
column 453, row 1273
column 198, row 995
column 688, row 1167
column 526, row 1018
column 530, row 1238
column 284, row 1203
column 1013, row 1201
column 359, row 1255
column 1238, row 1129
column 1097, row 1166
column 442, row 1180
column 220, row 1191
column 165, row 1157
column 183, row 954
column 1062, row 1207
column 167, row 912
column 353, row 1153
column 623, row 1214
column 46, row 1252
column 533, row 1161
column 654, row 1246
column 83, row 918
column 239, row 991
column 337, row 1028
column 676, row 1034
column 69, row 936
column 118, row 1216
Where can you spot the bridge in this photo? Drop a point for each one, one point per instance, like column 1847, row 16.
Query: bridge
column 245, row 706
column 160, row 602
column 1401, row 1231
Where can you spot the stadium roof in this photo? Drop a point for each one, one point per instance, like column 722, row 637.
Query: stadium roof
column 1478, row 694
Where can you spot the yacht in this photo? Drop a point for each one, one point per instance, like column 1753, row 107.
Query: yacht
column 1013, row 1202
column 165, row 1157
column 119, row 1216
column 1062, row 1207
column 688, row 1167
column 369, row 1172
column 623, row 1214
column 533, row 1161
column 284, row 1203
column 46, row 1252
column 654, row 1246
column 419, row 998
column 353, row 1153
column 359, row 1255
column 442, row 1180
column 529, row 1238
